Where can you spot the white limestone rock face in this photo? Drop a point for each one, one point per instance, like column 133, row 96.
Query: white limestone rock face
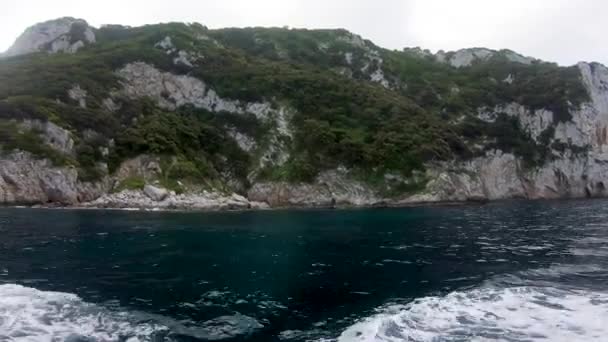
column 466, row 57
column 283, row 194
column 59, row 35
column 155, row 193
column 591, row 120
column 27, row 180
column 179, row 56
column 166, row 44
column 353, row 39
column 109, row 104
column 56, row 137
column 204, row 200
column 330, row 188
column 533, row 122
column 567, row 174
column 171, row 91
column 144, row 166
column 245, row 142
column 371, row 60
column 493, row 176
column 378, row 77
column 441, row 56
column 184, row 58
column 79, row 95
column 374, row 62
column 346, row 191
column 589, row 124
column 517, row 58
column 348, row 57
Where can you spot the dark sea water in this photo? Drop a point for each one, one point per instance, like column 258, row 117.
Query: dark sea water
column 511, row 271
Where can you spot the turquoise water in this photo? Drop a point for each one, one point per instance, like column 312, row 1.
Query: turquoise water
column 512, row 271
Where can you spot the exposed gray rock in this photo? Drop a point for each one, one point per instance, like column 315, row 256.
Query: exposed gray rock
column 144, row 166
column 184, row 58
column 348, row 57
column 53, row 36
column 245, row 142
column 353, row 39
column 155, row 193
column 517, row 58
column 466, row 57
column 378, row 77
column 500, row 175
column 180, row 57
column 25, row 180
column 329, row 189
column 345, row 190
column 494, row 176
column 166, row 44
column 78, row 94
column 171, row 91
column 533, row 122
column 205, row 200
column 258, row 205
column 282, row 194
column 58, row 138
column 110, row 105
column 323, row 46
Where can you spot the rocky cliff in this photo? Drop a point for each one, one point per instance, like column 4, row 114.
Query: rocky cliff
column 495, row 175
column 179, row 116
column 59, row 35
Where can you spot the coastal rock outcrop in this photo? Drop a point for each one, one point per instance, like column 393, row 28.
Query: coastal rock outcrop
column 171, row 91
column 55, row 136
column 466, row 57
column 330, row 188
column 567, row 174
column 183, row 116
column 59, row 35
column 155, row 193
column 26, row 180
column 203, row 200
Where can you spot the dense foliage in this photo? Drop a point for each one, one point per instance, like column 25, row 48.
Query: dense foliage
column 340, row 118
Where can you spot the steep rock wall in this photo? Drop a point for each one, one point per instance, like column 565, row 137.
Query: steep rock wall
column 567, row 174
column 26, row 180
column 60, row 35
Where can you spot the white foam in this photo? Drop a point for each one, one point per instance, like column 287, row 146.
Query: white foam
column 510, row 314
column 27, row 314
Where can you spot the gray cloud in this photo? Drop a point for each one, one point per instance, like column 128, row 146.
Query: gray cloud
column 555, row 30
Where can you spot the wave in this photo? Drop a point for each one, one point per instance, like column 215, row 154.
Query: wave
column 34, row 315
column 507, row 314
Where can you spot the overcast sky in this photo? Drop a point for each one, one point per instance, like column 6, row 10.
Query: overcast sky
column 562, row 31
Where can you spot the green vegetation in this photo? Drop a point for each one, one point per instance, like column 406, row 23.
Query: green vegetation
column 505, row 134
column 13, row 138
column 338, row 119
column 429, row 83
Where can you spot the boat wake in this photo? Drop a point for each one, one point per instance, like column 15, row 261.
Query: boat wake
column 507, row 314
column 33, row 315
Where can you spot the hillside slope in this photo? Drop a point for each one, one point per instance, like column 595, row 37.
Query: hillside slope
column 175, row 115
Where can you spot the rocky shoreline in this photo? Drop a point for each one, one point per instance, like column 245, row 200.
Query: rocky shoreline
column 137, row 200
column 152, row 197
